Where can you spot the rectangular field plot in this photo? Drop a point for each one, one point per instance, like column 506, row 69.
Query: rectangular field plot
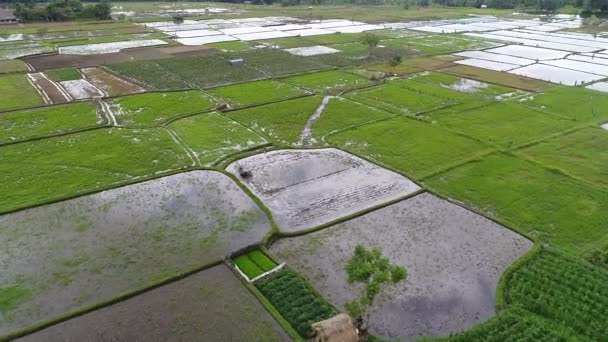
column 328, row 81
column 153, row 109
column 579, row 104
column 452, row 255
column 213, row 136
column 529, row 52
column 210, row 71
column 251, row 93
column 583, row 154
column 464, row 85
column 280, row 122
column 496, row 57
column 556, row 74
column 414, row 147
column 509, row 80
column 566, row 213
column 12, row 65
column 439, row 44
column 278, row 63
column 17, row 92
column 110, row 84
column 502, row 124
column 50, row 169
column 485, row 64
column 149, row 74
column 211, row 305
column 46, row 121
column 341, row 113
column 400, row 100
column 307, row 188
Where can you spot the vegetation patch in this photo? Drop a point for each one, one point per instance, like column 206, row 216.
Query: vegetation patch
column 583, row 154
column 565, row 290
column 44, row 170
column 64, row 74
column 213, row 136
column 254, row 264
column 250, row 93
column 502, row 124
column 281, row 122
column 12, row 65
column 414, row 147
column 149, row 74
column 329, row 82
column 22, row 125
column 18, row 93
column 273, row 62
column 231, row 46
column 295, row 300
column 152, row 109
column 536, row 201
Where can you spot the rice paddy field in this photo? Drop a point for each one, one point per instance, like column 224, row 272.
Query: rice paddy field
column 210, row 179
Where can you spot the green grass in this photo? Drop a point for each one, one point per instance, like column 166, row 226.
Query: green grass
column 516, row 324
column 294, row 300
column 583, row 154
column 150, row 74
column 332, row 81
column 16, row 126
column 486, row 90
column 353, row 49
column 565, row 290
column 12, row 65
column 342, row 113
column 502, row 124
column 231, row 46
column 399, row 100
column 414, row 147
column 55, row 168
column 579, row 104
column 280, row 123
column 64, row 74
column 273, row 62
column 212, row 136
column 438, row 44
column 18, row 93
column 539, row 202
column 247, row 266
column 211, row 71
column 262, row 260
column 12, row 296
column 243, row 94
column 153, row 109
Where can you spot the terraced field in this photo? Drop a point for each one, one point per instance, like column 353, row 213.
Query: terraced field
column 208, row 180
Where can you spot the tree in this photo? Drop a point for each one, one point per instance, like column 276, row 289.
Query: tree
column 371, row 40
column 374, row 270
column 393, row 62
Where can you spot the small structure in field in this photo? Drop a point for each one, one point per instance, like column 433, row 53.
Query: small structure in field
column 238, row 61
column 340, row 328
column 7, row 17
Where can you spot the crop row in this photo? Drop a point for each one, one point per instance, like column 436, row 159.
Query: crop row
column 294, row 300
column 564, row 290
column 254, row 263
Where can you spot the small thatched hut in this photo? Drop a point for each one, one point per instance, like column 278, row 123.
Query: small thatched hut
column 340, row 328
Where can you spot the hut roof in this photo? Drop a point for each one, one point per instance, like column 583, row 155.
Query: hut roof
column 7, row 14
column 340, row 328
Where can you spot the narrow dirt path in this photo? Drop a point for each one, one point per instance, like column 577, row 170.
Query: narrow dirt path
column 306, row 138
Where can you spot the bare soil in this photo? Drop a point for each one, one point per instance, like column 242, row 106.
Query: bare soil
column 307, row 188
column 212, row 305
column 75, row 253
column 454, row 259
column 50, row 88
column 111, row 84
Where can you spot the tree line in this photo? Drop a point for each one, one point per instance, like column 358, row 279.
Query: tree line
column 61, row 10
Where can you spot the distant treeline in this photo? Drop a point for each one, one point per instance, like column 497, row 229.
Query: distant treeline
column 61, row 10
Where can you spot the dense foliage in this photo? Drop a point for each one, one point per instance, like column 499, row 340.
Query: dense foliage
column 564, row 290
column 62, row 10
column 294, row 300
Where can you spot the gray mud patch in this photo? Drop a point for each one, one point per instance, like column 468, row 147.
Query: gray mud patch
column 307, row 188
column 211, row 305
column 454, row 259
column 75, row 253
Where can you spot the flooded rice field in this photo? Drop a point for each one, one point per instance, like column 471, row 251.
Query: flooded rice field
column 211, row 305
column 307, row 188
column 454, row 259
column 67, row 255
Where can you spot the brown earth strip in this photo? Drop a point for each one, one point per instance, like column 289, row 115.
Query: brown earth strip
column 50, row 88
column 110, row 83
column 497, row 77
